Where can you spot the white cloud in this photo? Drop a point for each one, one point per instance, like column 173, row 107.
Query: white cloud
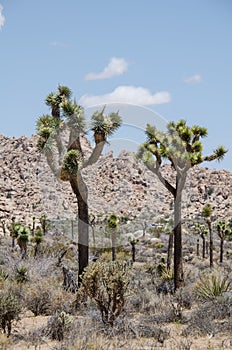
column 2, row 18
column 196, row 78
column 127, row 94
column 116, row 66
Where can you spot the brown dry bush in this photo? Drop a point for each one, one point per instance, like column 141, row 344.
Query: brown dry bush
column 45, row 297
column 10, row 306
column 212, row 317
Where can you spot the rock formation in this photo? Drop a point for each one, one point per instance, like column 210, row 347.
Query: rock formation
column 121, row 185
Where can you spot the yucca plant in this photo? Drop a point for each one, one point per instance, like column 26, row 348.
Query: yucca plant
column 21, row 275
column 212, row 286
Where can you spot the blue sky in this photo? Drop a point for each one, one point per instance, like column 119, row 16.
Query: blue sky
column 171, row 56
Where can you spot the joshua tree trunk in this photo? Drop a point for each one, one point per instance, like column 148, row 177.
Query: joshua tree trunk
column 36, row 250
column 3, row 223
column 210, row 243
column 221, row 249
column 133, row 251
column 178, row 264
column 197, row 247
column 113, row 237
column 81, row 192
column 203, row 246
column 170, row 249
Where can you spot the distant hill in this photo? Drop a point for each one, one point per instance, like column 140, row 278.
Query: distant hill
column 120, row 185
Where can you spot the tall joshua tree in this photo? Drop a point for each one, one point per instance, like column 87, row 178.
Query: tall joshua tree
column 181, row 145
column 66, row 157
column 207, row 214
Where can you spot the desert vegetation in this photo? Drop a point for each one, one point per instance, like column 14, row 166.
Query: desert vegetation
column 120, row 303
column 141, row 280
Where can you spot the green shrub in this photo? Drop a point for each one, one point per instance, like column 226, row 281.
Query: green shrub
column 211, row 286
column 107, row 284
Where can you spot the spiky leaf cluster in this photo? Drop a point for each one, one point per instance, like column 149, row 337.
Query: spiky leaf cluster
column 55, row 99
column 200, row 229
column 181, row 145
column 47, row 127
column 223, row 229
column 211, row 286
column 105, row 124
column 72, row 162
column 74, row 115
column 207, row 211
column 112, row 221
column 23, row 234
column 14, row 228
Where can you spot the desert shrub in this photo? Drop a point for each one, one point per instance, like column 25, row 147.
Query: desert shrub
column 211, row 286
column 21, row 274
column 10, row 307
column 38, row 299
column 107, row 284
column 212, row 317
column 59, row 325
column 44, row 298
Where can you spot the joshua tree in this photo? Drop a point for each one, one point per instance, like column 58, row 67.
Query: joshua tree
column 223, row 230
column 202, row 231
column 112, row 226
column 45, row 224
column 22, row 239
column 14, row 230
column 37, row 239
column 207, row 213
column 133, row 242
column 180, row 145
column 66, row 160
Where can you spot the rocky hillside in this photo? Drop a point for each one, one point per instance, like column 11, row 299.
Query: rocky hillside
column 120, row 185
